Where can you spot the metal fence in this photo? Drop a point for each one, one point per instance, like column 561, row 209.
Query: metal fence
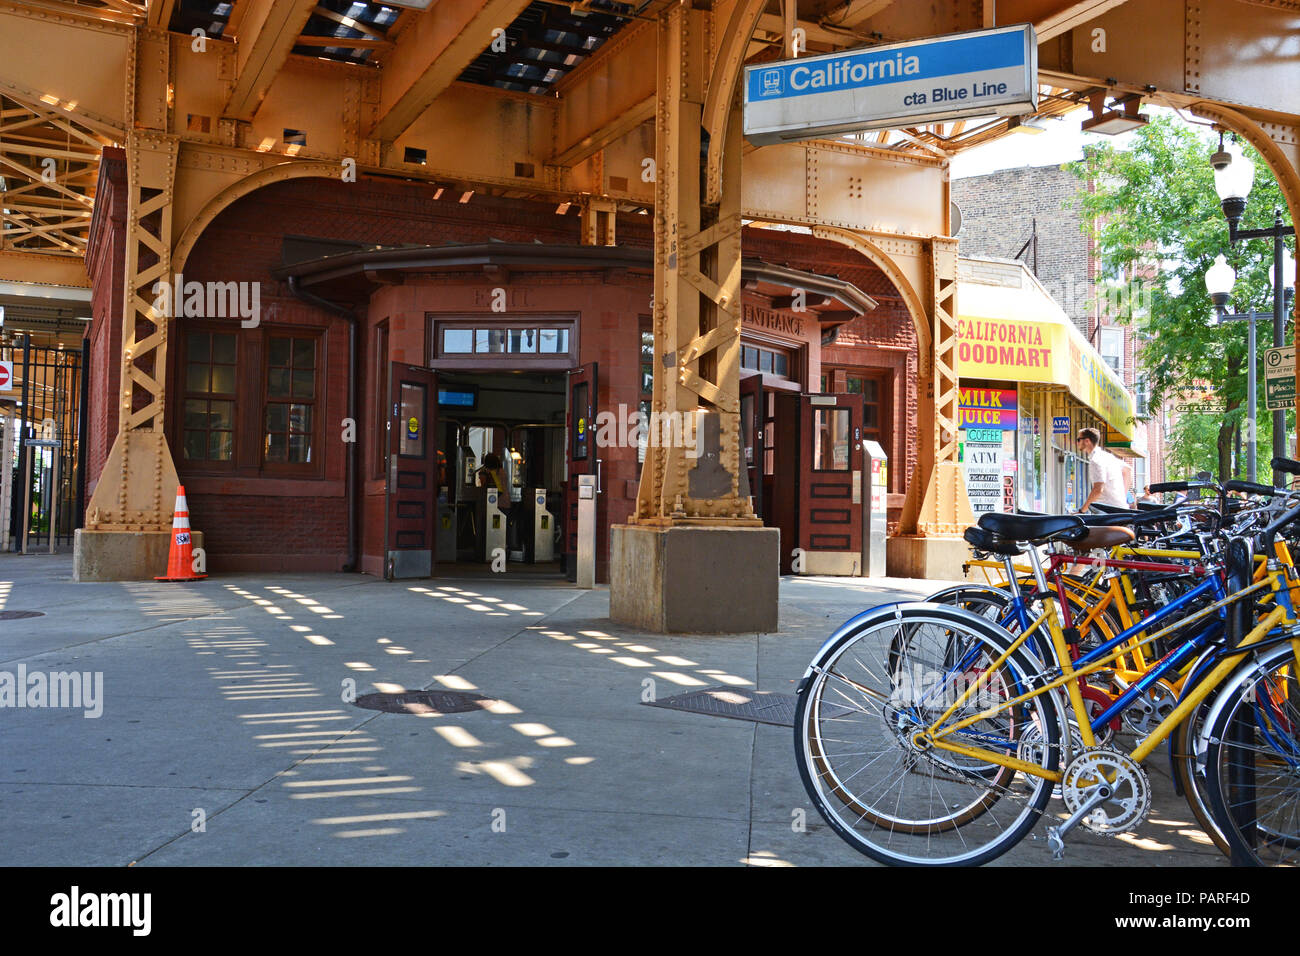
column 43, row 445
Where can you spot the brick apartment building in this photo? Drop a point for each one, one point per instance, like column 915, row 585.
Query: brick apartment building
column 1028, row 214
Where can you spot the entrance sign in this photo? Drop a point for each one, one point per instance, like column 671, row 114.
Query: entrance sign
column 1279, row 378
column 898, row 84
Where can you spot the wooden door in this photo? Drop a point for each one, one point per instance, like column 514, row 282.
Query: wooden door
column 581, row 454
column 830, row 484
column 412, row 488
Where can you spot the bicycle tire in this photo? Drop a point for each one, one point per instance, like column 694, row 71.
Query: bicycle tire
column 984, row 808
column 1269, row 833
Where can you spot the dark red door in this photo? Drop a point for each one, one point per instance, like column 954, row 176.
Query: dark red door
column 412, row 490
column 752, row 416
column 582, row 455
column 830, row 484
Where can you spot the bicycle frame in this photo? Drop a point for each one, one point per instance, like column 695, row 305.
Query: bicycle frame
column 935, row 735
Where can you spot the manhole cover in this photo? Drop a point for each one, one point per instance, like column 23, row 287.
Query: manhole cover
column 425, row 702
column 19, row 615
column 760, row 706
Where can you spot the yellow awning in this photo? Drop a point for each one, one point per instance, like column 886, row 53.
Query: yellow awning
column 1019, row 334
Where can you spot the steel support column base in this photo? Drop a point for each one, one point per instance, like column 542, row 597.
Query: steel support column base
column 122, row 555
column 937, row 557
column 691, row 580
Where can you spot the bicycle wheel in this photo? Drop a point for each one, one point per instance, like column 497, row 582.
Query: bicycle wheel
column 1253, row 760
column 890, row 673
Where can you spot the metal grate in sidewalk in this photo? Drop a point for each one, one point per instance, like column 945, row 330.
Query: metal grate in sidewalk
column 760, row 706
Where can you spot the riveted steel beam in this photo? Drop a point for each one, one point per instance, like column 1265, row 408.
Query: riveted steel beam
column 607, row 95
column 431, row 53
column 268, row 32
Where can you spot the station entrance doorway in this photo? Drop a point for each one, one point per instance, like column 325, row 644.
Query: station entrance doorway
column 479, row 471
column 804, row 457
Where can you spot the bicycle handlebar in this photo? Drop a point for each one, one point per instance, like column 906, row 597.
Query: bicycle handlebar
column 1252, row 488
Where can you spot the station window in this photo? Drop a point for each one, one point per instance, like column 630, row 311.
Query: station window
column 209, row 397
column 468, row 343
column 772, row 361
column 505, row 341
column 290, row 399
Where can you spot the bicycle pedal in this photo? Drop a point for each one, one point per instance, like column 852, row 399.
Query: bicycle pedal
column 1056, row 843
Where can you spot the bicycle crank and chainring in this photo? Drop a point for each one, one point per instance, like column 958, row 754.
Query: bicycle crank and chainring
column 1130, row 798
column 1147, row 711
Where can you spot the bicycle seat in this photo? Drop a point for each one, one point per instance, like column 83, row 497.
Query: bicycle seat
column 1035, row 528
column 982, row 540
column 1103, row 536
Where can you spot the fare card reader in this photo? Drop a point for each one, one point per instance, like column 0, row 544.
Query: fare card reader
column 493, row 524
column 586, row 563
column 543, row 529
column 876, row 509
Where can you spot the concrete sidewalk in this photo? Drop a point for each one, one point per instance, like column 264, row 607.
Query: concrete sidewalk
column 225, row 739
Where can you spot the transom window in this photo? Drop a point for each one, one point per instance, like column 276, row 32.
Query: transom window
column 516, row 341
column 772, row 361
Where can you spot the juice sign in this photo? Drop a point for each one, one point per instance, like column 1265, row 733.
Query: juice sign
column 987, row 408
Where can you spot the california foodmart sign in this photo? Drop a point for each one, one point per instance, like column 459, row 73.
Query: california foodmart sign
column 960, row 75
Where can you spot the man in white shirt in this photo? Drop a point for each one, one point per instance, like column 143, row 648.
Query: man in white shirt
column 1110, row 476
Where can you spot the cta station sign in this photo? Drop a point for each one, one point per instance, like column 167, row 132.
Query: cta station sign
column 944, row 78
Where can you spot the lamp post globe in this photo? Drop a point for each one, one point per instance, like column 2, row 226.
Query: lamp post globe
column 1219, row 280
column 1232, row 182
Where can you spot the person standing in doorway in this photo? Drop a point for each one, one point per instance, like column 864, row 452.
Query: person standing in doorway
column 493, row 475
column 1110, row 476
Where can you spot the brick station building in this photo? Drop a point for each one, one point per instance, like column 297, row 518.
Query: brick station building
column 360, row 282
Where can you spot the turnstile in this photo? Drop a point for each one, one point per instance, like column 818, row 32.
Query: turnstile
column 492, row 524
column 543, row 528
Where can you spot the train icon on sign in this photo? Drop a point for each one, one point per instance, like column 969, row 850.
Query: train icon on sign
column 771, row 82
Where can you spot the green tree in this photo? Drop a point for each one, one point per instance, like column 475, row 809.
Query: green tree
column 1152, row 207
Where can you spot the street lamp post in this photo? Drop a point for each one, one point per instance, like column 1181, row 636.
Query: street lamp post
column 1219, row 280
column 1234, row 175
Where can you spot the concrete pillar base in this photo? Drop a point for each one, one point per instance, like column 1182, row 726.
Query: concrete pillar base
column 688, row 580
column 122, row 555
column 937, row 557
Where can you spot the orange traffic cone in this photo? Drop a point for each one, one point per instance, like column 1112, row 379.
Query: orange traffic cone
column 180, row 560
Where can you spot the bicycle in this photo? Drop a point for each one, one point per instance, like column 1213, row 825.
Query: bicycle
column 975, row 717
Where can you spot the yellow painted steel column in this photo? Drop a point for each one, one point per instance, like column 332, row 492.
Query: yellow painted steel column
column 697, row 300
column 137, row 487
